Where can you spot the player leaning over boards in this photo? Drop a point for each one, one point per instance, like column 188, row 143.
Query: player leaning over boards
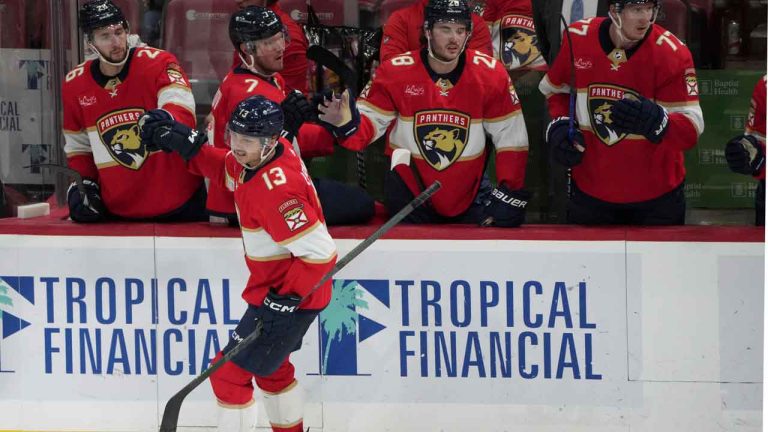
column 103, row 100
column 288, row 250
column 442, row 100
column 637, row 110
column 745, row 153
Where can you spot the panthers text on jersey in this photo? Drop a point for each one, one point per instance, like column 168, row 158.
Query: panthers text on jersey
column 513, row 34
column 756, row 118
column 443, row 122
column 617, row 167
column 313, row 139
column 287, row 245
column 101, row 134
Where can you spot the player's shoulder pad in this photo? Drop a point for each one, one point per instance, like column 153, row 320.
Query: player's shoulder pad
column 586, row 26
column 148, row 56
column 487, row 68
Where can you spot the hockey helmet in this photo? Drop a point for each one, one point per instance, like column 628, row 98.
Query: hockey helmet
column 456, row 11
column 619, row 4
column 100, row 13
column 254, row 126
column 253, row 23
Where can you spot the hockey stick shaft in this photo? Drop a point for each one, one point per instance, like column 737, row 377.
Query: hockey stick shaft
column 327, row 59
column 173, row 407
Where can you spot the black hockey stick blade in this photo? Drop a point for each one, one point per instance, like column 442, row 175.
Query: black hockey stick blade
column 170, row 419
column 327, row 59
column 64, row 170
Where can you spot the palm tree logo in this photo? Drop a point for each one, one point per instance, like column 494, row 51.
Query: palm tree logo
column 5, row 300
column 339, row 319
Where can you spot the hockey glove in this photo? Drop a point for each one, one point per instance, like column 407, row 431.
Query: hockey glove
column 564, row 149
column 641, row 116
column 149, row 122
column 505, row 208
column 745, row 155
column 296, row 111
column 88, row 207
column 340, row 115
column 276, row 314
column 180, row 138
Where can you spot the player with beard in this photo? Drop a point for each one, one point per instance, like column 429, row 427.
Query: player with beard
column 259, row 38
column 287, row 249
column 124, row 177
column 637, row 110
column 295, row 63
column 442, row 101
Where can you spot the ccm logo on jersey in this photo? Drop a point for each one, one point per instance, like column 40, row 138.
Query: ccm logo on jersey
column 514, row 202
column 278, row 307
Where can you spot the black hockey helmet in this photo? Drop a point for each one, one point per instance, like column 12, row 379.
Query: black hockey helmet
column 253, row 23
column 457, row 11
column 619, row 4
column 256, row 116
column 100, row 13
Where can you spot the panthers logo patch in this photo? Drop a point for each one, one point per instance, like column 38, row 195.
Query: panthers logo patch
column 600, row 100
column 518, row 41
column 441, row 136
column 119, row 132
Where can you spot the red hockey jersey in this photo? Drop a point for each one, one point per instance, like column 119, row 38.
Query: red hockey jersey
column 756, row 118
column 616, row 167
column 513, row 34
column 295, row 62
column 286, row 242
column 404, row 31
column 443, row 122
column 313, row 140
column 101, row 132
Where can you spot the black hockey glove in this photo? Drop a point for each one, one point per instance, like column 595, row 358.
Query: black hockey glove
column 296, row 111
column 180, row 138
column 564, row 149
column 505, row 208
column 641, row 116
column 88, row 207
column 276, row 314
column 745, row 155
column 149, row 122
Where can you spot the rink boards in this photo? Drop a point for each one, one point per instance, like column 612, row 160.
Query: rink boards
column 547, row 329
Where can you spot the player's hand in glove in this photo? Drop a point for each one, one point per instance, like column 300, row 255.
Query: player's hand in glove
column 641, row 116
column 340, row 112
column 172, row 136
column 87, row 207
column 296, row 110
column 505, row 208
column 745, row 155
column 276, row 314
column 148, row 124
column 567, row 151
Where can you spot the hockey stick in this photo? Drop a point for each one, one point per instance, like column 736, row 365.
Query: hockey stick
column 327, row 59
column 348, row 77
column 173, row 407
column 64, row 170
column 571, row 101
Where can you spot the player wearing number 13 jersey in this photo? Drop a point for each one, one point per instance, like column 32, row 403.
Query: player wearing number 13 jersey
column 637, row 110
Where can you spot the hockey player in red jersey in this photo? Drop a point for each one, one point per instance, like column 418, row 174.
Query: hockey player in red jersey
column 514, row 35
column 287, row 249
column 103, row 100
column 442, row 101
column 637, row 110
column 404, row 31
column 259, row 39
column 295, row 63
column 745, row 153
